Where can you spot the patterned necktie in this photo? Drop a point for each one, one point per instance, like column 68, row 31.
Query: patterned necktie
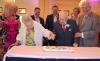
column 64, row 27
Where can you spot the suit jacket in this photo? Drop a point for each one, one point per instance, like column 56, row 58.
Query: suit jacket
column 66, row 38
column 50, row 25
column 50, row 22
column 90, row 28
column 40, row 18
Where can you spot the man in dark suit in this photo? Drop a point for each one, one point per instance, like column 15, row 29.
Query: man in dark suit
column 65, row 30
column 37, row 17
column 50, row 20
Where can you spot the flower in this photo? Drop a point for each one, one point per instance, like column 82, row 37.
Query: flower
column 67, row 25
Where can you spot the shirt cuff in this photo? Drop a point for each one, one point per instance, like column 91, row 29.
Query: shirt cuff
column 82, row 35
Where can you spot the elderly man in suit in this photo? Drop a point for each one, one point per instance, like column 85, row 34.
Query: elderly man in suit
column 65, row 30
column 88, row 25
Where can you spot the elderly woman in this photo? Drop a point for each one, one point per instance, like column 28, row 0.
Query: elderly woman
column 65, row 30
column 32, row 32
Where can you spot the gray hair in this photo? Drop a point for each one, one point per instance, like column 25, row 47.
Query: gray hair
column 84, row 3
column 26, row 18
column 63, row 14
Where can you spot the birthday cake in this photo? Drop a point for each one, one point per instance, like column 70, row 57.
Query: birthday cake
column 58, row 49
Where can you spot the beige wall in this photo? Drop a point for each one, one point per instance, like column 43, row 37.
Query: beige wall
column 63, row 5
column 28, row 4
column 67, row 4
column 46, row 5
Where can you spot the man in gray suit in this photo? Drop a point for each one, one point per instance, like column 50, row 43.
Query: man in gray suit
column 88, row 25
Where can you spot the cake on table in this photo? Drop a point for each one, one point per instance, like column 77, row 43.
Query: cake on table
column 58, row 48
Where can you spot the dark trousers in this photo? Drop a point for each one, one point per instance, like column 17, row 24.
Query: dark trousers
column 49, row 43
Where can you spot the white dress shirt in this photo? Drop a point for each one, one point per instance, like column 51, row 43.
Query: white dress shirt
column 55, row 18
column 37, row 19
column 39, row 32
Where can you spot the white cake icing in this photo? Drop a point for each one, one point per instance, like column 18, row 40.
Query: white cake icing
column 58, row 49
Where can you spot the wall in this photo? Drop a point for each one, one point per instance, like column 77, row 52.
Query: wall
column 28, row 4
column 46, row 5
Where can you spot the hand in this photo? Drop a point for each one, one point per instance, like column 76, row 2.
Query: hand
column 79, row 34
column 52, row 35
column 11, row 46
column 16, row 43
column 75, row 45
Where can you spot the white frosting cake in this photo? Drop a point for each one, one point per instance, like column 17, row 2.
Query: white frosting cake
column 58, row 49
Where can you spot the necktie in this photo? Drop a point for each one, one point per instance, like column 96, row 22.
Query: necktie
column 64, row 27
column 84, row 19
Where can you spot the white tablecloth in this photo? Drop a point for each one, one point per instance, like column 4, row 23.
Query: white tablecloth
column 38, row 52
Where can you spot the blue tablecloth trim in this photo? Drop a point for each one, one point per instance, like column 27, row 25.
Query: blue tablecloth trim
column 37, row 59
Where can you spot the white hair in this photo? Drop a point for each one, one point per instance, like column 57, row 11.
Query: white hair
column 63, row 14
column 26, row 18
column 84, row 3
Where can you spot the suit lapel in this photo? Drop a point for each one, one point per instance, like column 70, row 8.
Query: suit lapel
column 60, row 28
column 52, row 20
column 33, row 17
column 41, row 21
column 84, row 20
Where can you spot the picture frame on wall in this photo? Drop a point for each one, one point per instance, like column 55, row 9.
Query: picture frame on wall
column 1, row 9
column 22, row 10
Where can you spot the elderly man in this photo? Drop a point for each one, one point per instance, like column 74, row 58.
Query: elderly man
column 88, row 25
column 65, row 30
